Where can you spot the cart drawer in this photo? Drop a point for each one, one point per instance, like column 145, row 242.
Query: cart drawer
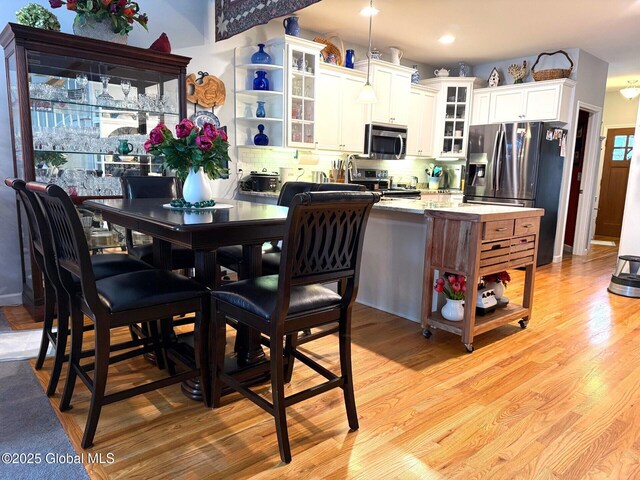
column 528, row 225
column 498, row 229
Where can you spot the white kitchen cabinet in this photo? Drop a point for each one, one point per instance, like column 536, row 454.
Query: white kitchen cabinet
column 481, row 106
column 421, row 106
column 548, row 101
column 340, row 118
column 452, row 115
column 392, row 84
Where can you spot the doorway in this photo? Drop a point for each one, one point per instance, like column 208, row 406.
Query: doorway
column 576, row 177
column 615, row 175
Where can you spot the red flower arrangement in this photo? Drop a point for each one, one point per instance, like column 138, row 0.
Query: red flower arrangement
column 120, row 13
column 191, row 148
column 500, row 277
column 453, row 286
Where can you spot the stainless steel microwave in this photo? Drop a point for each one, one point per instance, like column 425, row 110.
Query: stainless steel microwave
column 385, row 142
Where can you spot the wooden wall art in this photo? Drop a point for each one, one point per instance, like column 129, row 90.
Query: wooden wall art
column 205, row 90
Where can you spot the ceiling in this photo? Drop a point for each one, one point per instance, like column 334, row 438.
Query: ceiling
column 490, row 30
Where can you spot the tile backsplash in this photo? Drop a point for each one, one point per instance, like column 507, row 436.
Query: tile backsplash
column 256, row 159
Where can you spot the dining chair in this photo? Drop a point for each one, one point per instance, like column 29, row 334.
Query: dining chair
column 154, row 187
column 323, row 243
column 56, row 299
column 231, row 257
column 118, row 301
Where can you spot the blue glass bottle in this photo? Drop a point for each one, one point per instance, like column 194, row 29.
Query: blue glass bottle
column 260, row 111
column 261, row 139
column 261, row 82
column 350, row 59
column 261, row 56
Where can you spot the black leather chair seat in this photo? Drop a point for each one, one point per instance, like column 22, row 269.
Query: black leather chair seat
column 259, row 296
column 109, row 265
column 145, row 289
column 180, row 257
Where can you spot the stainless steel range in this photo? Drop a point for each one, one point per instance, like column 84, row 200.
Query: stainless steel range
column 378, row 180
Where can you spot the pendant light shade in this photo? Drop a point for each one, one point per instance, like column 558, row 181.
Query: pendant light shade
column 631, row 91
column 368, row 94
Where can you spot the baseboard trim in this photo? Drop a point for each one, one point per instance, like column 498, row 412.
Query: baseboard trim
column 10, row 299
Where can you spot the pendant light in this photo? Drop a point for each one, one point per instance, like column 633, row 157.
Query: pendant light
column 368, row 94
column 631, row 91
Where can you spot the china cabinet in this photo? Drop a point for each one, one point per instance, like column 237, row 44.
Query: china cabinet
column 80, row 110
column 453, row 112
column 421, row 107
column 548, row 101
column 392, row 86
column 340, row 119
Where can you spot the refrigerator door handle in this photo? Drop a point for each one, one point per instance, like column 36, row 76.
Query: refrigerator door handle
column 499, row 159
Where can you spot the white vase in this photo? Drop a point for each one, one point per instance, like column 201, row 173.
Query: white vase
column 498, row 289
column 98, row 30
column 197, row 187
column 453, row 310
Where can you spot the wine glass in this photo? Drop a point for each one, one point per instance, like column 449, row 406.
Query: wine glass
column 126, row 88
column 104, row 99
column 82, row 81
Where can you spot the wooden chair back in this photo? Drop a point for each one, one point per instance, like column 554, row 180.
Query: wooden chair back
column 69, row 241
column 325, row 233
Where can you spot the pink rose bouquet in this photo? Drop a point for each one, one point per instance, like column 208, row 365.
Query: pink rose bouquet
column 453, row 286
column 191, row 148
column 501, row 277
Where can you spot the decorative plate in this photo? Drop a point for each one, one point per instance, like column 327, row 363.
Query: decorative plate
column 202, row 116
column 217, row 206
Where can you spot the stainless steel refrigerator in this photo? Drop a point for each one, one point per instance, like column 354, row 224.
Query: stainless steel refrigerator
column 518, row 164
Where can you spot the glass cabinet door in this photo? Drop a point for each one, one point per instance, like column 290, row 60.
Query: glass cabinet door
column 302, row 92
column 90, row 120
column 455, row 119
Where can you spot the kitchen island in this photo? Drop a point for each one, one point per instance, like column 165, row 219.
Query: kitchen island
column 392, row 268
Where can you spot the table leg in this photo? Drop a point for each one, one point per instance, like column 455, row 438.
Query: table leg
column 248, row 347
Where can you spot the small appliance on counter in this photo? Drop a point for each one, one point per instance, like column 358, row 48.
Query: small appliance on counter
column 454, row 177
column 378, row 180
column 260, row 181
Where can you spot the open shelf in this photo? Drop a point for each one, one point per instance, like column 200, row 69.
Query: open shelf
column 258, row 119
column 260, row 66
column 484, row 323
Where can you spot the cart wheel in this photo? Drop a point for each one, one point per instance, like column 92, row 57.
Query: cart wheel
column 426, row 333
column 523, row 323
column 469, row 347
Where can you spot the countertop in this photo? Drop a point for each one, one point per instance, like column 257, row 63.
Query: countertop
column 482, row 213
column 431, row 200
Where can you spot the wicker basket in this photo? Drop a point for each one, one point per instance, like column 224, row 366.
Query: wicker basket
column 552, row 73
column 331, row 48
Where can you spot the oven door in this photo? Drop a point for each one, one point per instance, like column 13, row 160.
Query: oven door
column 385, row 142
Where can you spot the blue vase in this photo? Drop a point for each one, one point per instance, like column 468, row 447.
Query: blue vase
column 261, row 82
column 291, row 26
column 415, row 76
column 261, row 56
column 350, row 59
column 261, row 139
column 260, row 112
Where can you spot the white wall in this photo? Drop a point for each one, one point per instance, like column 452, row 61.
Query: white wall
column 618, row 111
column 630, row 235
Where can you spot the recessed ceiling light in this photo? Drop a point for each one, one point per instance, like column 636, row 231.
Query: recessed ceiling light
column 446, row 39
column 369, row 11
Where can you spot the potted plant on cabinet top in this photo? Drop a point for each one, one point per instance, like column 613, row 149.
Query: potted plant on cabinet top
column 34, row 15
column 109, row 20
column 454, row 288
column 196, row 154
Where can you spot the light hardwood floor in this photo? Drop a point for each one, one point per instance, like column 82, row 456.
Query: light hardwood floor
column 557, row 400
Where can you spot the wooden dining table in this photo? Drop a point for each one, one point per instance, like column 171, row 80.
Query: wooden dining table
column 233, row 222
